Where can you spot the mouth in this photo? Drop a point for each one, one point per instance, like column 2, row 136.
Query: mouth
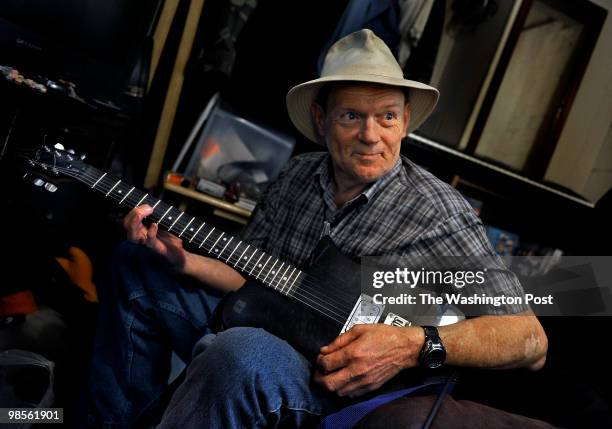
column 368, row 156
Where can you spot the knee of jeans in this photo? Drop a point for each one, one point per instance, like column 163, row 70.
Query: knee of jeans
column 247, row 351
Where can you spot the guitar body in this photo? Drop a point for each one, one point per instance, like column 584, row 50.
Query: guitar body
column 255, row 305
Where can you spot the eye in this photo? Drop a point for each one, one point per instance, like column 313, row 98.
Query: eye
column 389, row 116
column 350, row 116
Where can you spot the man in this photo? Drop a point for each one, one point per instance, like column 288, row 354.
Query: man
column 370, row 201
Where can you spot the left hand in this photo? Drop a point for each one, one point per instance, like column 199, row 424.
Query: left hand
column 366, row 356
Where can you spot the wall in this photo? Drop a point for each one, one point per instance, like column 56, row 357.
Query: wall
column 582, row 159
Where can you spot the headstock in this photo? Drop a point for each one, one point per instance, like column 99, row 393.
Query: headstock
column 48, row 161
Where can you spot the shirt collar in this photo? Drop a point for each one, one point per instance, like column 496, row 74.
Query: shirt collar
column 323, row 179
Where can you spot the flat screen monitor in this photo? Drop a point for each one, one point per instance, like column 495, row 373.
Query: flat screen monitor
column 236, row 150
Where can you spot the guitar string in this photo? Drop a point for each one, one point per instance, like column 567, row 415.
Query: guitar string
column 314, row 302
column 306, row 282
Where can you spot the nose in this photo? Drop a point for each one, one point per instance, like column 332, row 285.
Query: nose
column 369, row 131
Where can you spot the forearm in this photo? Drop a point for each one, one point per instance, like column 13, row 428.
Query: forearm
column 212, row 272
column 496, row 342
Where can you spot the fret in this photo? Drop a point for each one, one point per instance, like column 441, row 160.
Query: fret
column 276, row 274
column 264, row 266
column 213, row 246
column 289, row 278
column 114, row 186
column 97, row 181
column 176, row 220
column 206, row 238
column 164, row 215
column 235, row 248
column 196, row 233
column 141, row 200
column 170, row 217
column 126, row 195
column 226, row 244
column 260, row 256
column 283, row 277
column 186, row 226
column 158, row 201
column 269, row 271
column 240, row 258
column 296, row 277
column 247, row 262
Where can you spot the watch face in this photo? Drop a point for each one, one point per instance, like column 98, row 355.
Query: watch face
column 435, row 358
column 434, row 354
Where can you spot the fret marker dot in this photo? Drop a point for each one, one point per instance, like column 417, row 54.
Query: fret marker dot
column 259, row 265
column 217, row 250
column 190, row 229
column 284, row 278
column 273, row 272
column 119, row 191
column 244, row 257
column 170, row 217
column 224, row 239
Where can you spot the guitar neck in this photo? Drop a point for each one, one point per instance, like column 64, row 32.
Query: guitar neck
column 249, row 260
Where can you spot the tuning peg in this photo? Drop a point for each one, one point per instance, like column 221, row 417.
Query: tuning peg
column 82, row 156
column 59, row 146
column 50, row 187
column 36, row 181
column 71, row 151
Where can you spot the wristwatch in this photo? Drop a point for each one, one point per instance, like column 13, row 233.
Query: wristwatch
column 433, row 352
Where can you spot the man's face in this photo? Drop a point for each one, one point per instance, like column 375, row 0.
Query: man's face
column 363, row 126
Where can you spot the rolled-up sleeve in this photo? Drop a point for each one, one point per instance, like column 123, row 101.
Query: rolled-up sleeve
column 462, row 238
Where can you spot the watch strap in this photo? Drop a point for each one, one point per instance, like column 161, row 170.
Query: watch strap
column 430, row 331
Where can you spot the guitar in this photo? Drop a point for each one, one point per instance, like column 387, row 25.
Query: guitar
column 307, row 306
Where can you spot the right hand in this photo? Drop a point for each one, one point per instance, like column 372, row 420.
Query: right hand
column 163, row 243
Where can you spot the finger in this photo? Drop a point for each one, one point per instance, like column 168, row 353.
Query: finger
column 152, row 241
column 137, row 214
column 132, row 222
column 371, row 379
column 169, row 238
column 340, row 342
column 357, row 388
column 336, row 380
column 333, row 361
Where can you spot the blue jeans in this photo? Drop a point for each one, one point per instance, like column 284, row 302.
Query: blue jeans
column 244, row 377
column 146, row 312
column 247, row 378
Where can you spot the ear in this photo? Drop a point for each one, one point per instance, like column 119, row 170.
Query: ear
column 318, row 118
column 407, row 113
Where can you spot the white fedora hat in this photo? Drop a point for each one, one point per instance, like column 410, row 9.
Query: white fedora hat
column 359, row 57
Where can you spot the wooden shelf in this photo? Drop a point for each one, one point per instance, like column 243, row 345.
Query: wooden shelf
column 229, row 208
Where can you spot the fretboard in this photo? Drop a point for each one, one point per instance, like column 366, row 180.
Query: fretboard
column 251, row 261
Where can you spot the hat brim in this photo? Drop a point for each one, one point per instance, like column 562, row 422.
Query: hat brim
column 423, row 99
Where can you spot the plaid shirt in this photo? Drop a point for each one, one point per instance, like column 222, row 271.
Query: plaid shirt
column 408, row 213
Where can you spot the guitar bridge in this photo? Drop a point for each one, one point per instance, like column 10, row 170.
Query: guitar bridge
column 364, row 311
